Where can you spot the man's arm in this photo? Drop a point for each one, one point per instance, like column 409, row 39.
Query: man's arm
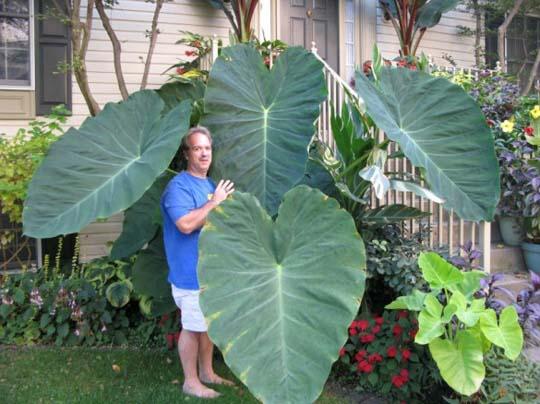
column 197, row 217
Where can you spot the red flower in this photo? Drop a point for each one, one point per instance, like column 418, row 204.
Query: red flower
column 366, row 67
column 342, row 352
column 360, row 355
column 379, row 320
column 397, row 330
column 528, row 131
column 490, row 123
column 191, row 53
column 353, row 331
column 196, row 44
column 367, row 338
column 362, row 325
column 375, row 358
column 376, row 329
column 402, row 63
column 404, row 373
column 391, row 352
column 180, row 70
column 412, row 332
column 405, row 354
column 398, row 381
column 402, row 314
column 364, row 366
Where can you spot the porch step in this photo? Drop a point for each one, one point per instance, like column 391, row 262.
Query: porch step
column 507, row 259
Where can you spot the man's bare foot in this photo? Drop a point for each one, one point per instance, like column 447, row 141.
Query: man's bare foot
column 199, row 390
column 215, row 379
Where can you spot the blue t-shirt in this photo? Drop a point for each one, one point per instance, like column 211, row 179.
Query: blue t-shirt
column 184, row 193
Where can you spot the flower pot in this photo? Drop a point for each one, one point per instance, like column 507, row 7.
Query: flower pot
column 511, row 228
column 531, row 253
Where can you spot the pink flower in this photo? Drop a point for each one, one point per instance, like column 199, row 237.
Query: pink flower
column 362, row 325
column 367, row 338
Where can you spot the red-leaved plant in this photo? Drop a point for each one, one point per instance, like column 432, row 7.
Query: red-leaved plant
column 382, row 354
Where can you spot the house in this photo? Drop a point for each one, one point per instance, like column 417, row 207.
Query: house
column 344, row 32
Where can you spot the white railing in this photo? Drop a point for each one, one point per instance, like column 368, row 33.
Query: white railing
column 445, row 229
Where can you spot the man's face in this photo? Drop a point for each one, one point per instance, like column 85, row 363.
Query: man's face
column 199, row 155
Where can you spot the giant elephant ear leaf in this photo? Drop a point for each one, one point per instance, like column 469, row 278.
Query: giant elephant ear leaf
column 104, row 166
column 141, row 221
column 438, row 127
column 431, row 12
column 280, row 295
column 262, row 120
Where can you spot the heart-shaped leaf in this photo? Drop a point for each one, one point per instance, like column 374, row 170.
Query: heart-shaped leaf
column 461, row 363
column 507, row 333
column 262, row 120
column 104, row 166
column 441, row 128
column 430, row 323
column 437, row 271
column 413, row 302
column 469, row 285
column 141, row 221
column 467, row 315
column 267, row 288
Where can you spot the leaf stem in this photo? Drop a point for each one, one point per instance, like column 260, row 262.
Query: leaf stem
column 171, row 171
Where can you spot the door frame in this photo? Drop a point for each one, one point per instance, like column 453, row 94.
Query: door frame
column 365, row 27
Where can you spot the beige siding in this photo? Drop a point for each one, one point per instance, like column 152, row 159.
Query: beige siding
column 443, row 38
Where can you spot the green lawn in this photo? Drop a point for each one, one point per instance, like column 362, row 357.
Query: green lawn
column 82, row 375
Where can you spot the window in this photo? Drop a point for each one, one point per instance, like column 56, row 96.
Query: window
column 15, row 43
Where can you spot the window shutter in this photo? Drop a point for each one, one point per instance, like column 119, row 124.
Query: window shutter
column 52, row 48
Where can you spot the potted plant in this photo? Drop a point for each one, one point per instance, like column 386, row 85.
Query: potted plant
column 514, row 177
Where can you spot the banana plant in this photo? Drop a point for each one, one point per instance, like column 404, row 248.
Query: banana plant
column 411, row 19
column 456, row 326
column 240, row 15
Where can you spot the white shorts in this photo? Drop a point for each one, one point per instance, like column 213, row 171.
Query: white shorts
column 188, row 302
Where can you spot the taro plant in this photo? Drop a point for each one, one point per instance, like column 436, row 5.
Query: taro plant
column 278, row 257
column 456, row 326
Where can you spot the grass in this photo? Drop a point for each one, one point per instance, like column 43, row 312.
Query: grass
column 84, row 375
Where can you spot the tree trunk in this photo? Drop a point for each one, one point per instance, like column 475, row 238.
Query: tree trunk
column 153, row 39
column 117, row 49
column 532, row 74
column 478, row 34
column 80, row 37
column 501, row 33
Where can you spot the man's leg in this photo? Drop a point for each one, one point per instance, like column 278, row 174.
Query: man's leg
column 206, row 369
column 188, row 350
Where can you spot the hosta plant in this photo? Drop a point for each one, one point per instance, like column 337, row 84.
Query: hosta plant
column 456, row 326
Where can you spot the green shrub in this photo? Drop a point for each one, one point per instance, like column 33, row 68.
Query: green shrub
column 81, row 306
column 392, row 263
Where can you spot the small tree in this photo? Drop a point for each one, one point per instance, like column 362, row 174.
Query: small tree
column 69, row 12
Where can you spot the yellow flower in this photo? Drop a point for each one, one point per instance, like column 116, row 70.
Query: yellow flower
column 535, row 112
column 507, row 126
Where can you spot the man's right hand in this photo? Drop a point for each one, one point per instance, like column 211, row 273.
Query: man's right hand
column 223, row 190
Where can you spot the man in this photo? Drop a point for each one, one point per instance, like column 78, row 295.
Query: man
column 185, row 204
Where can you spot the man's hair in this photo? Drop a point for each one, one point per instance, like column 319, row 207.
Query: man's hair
column 197, row 129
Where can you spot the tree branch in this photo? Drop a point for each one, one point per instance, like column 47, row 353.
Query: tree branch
column 117, row 49
column 79, row 46
column 153, row 39
column 501, row 33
